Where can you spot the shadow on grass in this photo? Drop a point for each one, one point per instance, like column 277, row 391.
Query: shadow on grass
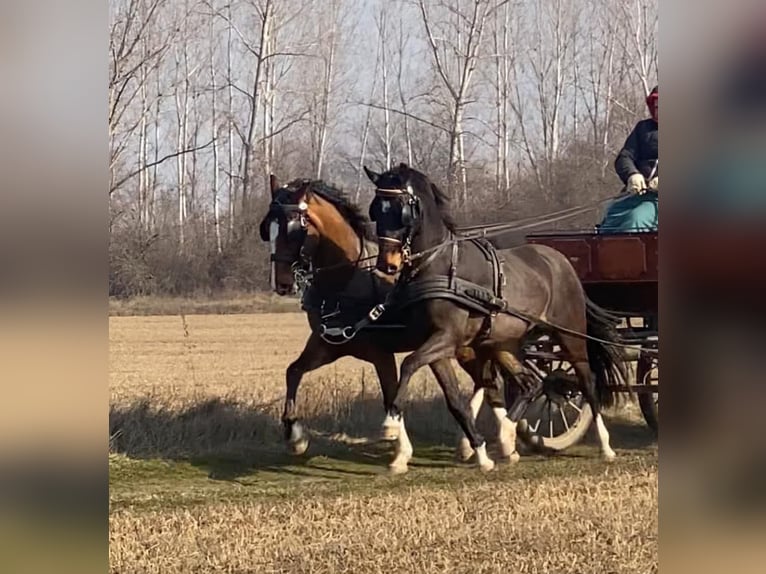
column 230, row 438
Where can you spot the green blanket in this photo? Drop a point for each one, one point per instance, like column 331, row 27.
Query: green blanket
column 631, row 213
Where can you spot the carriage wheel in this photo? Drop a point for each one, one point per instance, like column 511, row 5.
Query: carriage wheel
column 648, row 373
column 556, row 412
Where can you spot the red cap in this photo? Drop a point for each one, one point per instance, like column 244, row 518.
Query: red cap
column 651, row 102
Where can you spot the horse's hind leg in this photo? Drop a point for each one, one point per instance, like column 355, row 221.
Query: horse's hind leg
column 473, row 366
column 506, row 428
column 578, row 356
column 464, row 450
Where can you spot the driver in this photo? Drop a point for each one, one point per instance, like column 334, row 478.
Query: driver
column 635, row 164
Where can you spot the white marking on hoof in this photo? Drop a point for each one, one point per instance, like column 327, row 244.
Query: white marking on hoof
column 514, row 457
column 298, row 443
column 300, row 447
column 402, row 449
column 603, row 437
column 391, row 428
column 506, row 433
column 398, row 468
column 482, row 459
column 464, row 451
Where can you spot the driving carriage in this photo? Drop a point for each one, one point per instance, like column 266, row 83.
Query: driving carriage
column 619, row 272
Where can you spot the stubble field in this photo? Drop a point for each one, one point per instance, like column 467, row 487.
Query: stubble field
column 200, row 481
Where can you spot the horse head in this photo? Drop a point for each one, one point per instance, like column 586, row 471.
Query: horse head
column 409, row 212
column 309, row 224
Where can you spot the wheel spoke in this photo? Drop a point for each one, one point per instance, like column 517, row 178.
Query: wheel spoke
column 550, row 419
column 564, row 418
column 574, row 406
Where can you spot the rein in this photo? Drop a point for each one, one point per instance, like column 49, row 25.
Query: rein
column 493, row 230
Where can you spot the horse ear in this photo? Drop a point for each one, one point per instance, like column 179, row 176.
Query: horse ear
column 274, row 183
column 403, row 166
column 374, row 177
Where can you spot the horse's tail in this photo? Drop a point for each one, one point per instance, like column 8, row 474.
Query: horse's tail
column 606, row 361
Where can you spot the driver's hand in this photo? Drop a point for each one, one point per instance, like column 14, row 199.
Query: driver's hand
column 654, row 183
column 636, row 184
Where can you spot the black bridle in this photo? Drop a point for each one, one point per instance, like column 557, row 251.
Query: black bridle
column 296, row 222
column 409, row 217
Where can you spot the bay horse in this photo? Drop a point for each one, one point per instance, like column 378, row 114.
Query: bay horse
column 313, row 229
column 460, row 292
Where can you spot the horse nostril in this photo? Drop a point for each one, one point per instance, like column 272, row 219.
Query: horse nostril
column 390, row 269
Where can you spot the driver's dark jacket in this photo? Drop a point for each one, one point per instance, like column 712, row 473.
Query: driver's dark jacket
column 639, row 152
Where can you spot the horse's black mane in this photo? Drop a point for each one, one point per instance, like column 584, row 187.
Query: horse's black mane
column 340, row 200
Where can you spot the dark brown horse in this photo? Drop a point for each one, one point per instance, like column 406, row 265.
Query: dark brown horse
column 316, row 233
column 456, row 285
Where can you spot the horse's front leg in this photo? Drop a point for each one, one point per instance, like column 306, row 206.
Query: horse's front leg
column 315, row 354
column 394, row 428
column 385, row 368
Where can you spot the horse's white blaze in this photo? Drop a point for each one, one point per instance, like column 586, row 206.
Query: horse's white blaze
column 273, row 234
column 603, row 437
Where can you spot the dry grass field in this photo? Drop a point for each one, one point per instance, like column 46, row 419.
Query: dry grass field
column 200, row 482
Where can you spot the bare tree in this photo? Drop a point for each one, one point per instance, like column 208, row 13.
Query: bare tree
column 382, row 23
column 322, row 101
column 366, row 126
column 594, row 67
column 214, row 127
column 455, row 41
column 401, row 70
column 132, row 59
column 639, row 37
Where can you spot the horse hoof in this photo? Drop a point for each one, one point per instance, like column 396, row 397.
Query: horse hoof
column 507, row 450
column 514, row 457
column 298, row 447
column 464, row 452
column 488, row 466
column 399, row 468
column 609, row 455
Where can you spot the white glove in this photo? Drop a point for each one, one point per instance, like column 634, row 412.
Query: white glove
column 654, row 183
column 636, row 184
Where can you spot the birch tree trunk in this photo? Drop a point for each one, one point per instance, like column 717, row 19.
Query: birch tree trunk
column 382, row 33
column 327, row 88
column 214, row 126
